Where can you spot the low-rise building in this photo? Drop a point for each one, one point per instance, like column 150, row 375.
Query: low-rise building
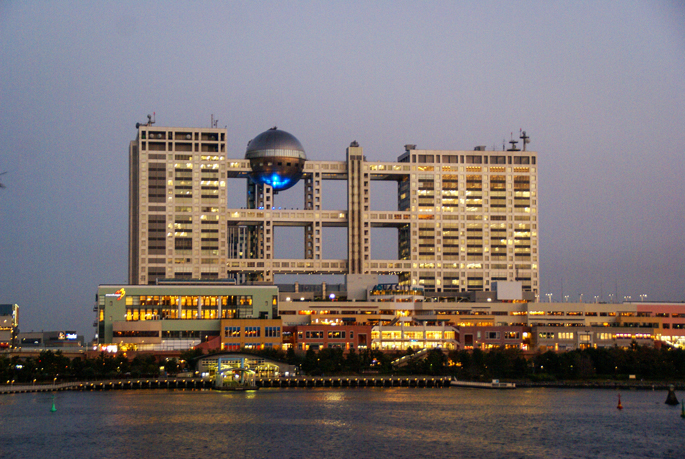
column 545, row 338
column 9, row 325
column 251, row 334
column 50, row 340
column 175, row 316
column 494, row 336
column 404, row 334
column 320, row 336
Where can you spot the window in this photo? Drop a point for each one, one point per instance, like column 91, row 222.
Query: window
column 272, row 332
column 232, row 332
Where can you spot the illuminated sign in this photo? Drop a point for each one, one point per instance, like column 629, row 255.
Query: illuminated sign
column 67, row 335
column 119, row 294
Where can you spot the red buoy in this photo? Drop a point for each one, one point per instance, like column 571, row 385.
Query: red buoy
column 620, row 407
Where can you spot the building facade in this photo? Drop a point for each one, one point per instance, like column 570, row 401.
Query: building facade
column 175, row 316
column 9, row 326
column 177, row 204
column 464, row 219
column 50, row 340
column 237, row 334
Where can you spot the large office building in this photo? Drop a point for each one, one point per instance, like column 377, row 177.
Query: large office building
column 203, row 261
column 464, row 219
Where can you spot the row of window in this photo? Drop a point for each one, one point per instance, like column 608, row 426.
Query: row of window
column 334, row 334
column 187, row 300
column 251, row 332
column 474, row 159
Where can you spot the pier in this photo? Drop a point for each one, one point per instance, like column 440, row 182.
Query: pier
column 356, row 381
column 199, row 383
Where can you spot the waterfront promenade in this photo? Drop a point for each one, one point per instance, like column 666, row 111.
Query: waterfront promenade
column 19, row 388
column 199, row 383
column 320, row 381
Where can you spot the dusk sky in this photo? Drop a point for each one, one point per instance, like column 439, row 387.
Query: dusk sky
column 599, row 87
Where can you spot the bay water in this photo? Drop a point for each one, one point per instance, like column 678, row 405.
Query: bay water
column 342, row 423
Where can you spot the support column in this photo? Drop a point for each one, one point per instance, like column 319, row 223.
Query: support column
column 358, row 246
column 312, row 231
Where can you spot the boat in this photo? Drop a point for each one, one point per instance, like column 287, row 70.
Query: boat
column 494, row 384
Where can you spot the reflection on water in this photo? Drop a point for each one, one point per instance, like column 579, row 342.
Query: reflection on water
column 400, row 422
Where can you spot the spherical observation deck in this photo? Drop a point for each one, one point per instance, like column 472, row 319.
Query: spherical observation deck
column 277, row 158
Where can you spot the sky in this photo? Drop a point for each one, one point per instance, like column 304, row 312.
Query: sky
column 598, row 85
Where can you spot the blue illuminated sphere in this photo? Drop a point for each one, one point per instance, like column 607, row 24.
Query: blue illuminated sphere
column 277, row 158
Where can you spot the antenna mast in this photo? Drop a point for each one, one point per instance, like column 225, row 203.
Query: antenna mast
column 524, row 138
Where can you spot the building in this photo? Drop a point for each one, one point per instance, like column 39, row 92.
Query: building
column 50, row 340
column 466, row 265
column 320, row 336
column 464, row 219
column 9, row 326
column 177, row 204
column 251, row 334
column 176, row 316
column 265, row 368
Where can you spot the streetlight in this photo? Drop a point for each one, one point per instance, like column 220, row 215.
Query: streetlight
column 581, row 298
column 596, row 298
column 549, row 297
column 565, row 298
column 642, row 297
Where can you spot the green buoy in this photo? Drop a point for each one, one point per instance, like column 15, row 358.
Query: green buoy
column 53, row 409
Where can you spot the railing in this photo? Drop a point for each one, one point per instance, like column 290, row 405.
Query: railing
column 15, row 388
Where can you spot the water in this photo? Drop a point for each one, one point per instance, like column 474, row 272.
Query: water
column 342, row 423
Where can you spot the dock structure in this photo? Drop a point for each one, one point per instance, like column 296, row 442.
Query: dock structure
column 356, row 381
column 21, row 388
column 200, row 383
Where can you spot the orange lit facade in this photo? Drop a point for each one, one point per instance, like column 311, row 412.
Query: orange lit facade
column 239, row 334
column 316, row 337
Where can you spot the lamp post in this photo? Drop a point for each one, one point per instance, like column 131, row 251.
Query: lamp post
column 549, row 297
column 642, row 297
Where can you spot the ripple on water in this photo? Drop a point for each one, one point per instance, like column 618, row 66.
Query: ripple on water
column 341, row 423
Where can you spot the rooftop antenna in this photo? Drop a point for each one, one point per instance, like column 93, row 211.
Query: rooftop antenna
column 524, row 138
column 150, row 121
column 215, row 122
column 513, row 143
